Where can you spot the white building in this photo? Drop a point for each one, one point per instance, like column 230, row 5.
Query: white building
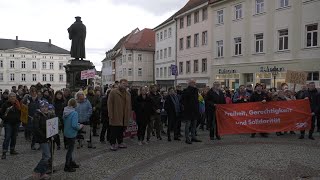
column 30, row 62
column 194, row 47
column 165, row 53
column 135, row 62
column 253, row 37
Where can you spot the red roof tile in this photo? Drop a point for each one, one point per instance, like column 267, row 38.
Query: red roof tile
column 143, row 41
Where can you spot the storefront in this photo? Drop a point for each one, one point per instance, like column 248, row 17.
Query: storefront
column 270, row 74
column 165, row 84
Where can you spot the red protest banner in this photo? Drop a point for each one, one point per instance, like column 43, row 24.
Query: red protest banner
column 261, row 117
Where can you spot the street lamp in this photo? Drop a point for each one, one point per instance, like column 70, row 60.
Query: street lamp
column 274, row 72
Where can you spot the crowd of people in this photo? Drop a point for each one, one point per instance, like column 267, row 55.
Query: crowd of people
column 83, row 112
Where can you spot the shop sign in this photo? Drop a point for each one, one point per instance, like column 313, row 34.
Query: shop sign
column 227, row 71
column 270, row 69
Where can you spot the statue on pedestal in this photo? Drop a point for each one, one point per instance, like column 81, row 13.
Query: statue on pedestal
column 77, row 33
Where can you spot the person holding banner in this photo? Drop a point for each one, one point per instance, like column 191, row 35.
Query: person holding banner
column 259, row 96
column 10, row 112
column 39, row 127
column 241, row 96
column 71, row 128
column 214, row 96
column 314, row 98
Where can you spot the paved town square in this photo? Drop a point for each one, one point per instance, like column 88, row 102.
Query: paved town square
column 234, row 157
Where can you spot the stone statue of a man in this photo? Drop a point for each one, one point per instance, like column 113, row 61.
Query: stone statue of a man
column 77, row 33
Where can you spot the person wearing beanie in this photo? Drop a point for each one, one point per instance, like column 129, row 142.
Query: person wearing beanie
column 39, row 126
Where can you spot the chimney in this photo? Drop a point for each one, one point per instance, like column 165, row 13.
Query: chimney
column 17, row 40
column 49, row 42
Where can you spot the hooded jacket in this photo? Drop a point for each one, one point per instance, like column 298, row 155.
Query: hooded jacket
column 71, row 123
column 84, row 110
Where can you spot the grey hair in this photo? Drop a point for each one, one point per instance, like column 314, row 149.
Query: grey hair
column 79, row 93
column 12, row 94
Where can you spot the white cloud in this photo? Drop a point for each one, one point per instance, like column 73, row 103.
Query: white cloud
column 106, row 20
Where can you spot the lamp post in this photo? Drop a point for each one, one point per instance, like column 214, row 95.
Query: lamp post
column 274, row 72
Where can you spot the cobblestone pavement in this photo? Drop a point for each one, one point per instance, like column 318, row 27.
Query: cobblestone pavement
column 234, row 157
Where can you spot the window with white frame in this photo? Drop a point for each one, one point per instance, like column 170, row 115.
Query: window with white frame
column 60, row 66
column 23, row 64
column 161, row 54
column 34, row 77
column 23, row 77
column 204, row 38
column 51, row 77
column 1, row 77
column 169, row 33
column 139, row 57
column 259, row 6
column 220, row 48
column 161, row 72
column 44, row 65
column 238, row 11
column 312, row 35
column 220, row 16
column 313, row 76
column 34, row 65
column 51, row 65
column 196, row 66
column 169, row 52
column 204, row 65
column 11, row 64
column 196, row 40
column 196, row 17
column 188, row 66
column 237, row 46
column 157, row 73
column 169, row 71
column 139, row 71
column 283, row 40
column 1, row 63
column 165, row 71
column 259, row 43
column 129, row 71
column 165, row 34
column 158, row 37
column 189, row 20
column 204, row 13
column 124, row 70
column 12, row 77
column 188, row 43
column 61, row 79
column 124, row 60
column 129, row 57
column 180, row 67
column 181, row 23
column 44, row 77
column 165, row 53
column 157, row 56
column 283, row 3
column 181, row 43
column 161, row 36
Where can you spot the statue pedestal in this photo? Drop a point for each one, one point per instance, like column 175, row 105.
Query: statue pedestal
column 73, row 71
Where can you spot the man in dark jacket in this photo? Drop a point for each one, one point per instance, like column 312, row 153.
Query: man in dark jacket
column 33, row 106
column 313, row 95
column 214, row 96
column 155, row 121
column 104, row 118
column 259, row 96
column 191, row 110
column 173, row 109
column 10, row 113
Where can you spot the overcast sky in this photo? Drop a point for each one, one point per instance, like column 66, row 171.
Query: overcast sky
column 106, row 20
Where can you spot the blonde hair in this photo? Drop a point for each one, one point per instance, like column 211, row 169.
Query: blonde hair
column 72, row 102
column 79, row 93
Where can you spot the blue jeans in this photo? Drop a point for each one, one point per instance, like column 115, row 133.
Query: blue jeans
column 191, row 125
column 11, row 131
column 69, row 156
column 43, row 165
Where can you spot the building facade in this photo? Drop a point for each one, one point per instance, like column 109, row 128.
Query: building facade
column 107, row 76
column 194, row 47
column 30, row 62
column 252, row 38
column 135, row 61
column 165, row 53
